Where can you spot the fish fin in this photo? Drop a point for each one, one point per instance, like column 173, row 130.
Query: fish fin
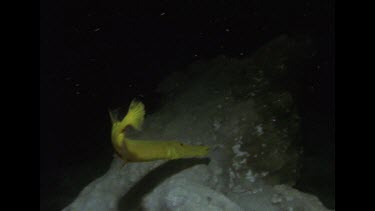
column 113, row 116
column 135, row 115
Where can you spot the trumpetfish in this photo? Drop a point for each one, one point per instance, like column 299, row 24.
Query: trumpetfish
column 131, row 150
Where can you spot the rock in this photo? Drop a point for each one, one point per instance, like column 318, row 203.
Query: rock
column 250, row 125
column 105, row 192
column 186, row 191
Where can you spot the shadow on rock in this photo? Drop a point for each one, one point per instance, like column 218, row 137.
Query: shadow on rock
column 133, row 198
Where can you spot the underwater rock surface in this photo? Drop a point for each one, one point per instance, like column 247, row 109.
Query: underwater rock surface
column 238, row 108
column 104, row 193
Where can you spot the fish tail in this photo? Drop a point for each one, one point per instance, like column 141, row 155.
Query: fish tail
column 135, row 115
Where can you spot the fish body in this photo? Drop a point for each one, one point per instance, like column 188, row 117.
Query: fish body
column 131, row 150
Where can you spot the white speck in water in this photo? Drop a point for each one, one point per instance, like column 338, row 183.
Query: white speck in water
column 163, row 13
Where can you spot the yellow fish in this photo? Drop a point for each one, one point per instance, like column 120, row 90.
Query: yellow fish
column 147, row 150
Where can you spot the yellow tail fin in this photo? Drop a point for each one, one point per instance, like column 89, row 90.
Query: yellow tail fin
column 135, row 115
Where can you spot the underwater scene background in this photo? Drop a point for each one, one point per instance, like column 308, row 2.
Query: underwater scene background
column 253, row 80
